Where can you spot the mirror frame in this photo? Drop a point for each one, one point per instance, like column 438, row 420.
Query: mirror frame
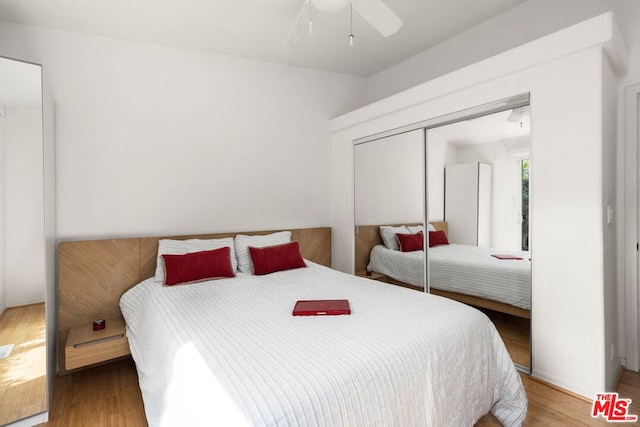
column 49, row 239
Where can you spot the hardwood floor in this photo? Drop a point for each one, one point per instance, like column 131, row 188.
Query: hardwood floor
column 23, row 372
column 516, row 334
column 549, row 406
column 108, row 395
column 629, row 388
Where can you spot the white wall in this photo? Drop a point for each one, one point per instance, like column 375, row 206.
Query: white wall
column 525, row 22
column 152, row 140
column 567, row 118
column 389, row 180
column 24, row 226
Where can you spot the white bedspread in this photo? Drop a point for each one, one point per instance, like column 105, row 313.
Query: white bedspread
column 465, row 269
column 229, row 352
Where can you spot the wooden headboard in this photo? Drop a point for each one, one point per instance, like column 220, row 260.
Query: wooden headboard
column 367, row 236
column 93, row 274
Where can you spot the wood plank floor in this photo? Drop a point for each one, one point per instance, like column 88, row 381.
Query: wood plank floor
column 106, row 395
column 109, row 395
column 516, row 334
column 549, row 406
column 22, row 373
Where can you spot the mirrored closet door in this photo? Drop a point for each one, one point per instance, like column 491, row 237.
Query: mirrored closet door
column 24, row 252
column 455, row 191
column 480, row 170
column 389, row 200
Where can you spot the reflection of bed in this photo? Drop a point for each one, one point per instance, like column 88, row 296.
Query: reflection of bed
column 229, row 352
column 465, row 273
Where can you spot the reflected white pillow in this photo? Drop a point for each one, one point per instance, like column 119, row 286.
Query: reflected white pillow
column 418, row 228
column 388, row 235
column 242, row 243
column 181, row 247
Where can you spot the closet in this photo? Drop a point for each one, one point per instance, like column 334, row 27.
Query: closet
column 467, row 205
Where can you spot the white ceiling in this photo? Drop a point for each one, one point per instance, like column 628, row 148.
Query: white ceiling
column 489, row 128
column 258, row 29
column 24, row 89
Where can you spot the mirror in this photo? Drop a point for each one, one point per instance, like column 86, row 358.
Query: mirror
column 389, row 191
column 479, row 170
column 476, row 167
column 23, row 278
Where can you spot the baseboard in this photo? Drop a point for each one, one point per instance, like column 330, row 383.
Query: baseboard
column 31, row 421
column 615, row 379
column 6, row 309
column 25, row 304
column 552, row 382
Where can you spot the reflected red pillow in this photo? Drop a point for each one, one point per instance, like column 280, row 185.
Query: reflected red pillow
column 437, row 238
column 197, row 266
column 410, row 242
column 269, row 259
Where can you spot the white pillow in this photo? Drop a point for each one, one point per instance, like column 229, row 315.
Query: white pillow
column 388, row 235
column 181, row 247
column 243, row 242
column 413, row 229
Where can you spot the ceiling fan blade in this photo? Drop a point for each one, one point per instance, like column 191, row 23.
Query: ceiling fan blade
column 379, row 16
column 300, row 28
column 519, row 113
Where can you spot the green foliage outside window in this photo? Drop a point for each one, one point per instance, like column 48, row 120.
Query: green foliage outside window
column 525, row 205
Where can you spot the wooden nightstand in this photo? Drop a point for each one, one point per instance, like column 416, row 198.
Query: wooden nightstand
column 86, row 347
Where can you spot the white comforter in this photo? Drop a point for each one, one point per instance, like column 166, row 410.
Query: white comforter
column 464, row 269
column 229, row 352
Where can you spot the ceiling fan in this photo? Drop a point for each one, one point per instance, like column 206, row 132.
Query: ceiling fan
column 375, row 12
column 519, row 115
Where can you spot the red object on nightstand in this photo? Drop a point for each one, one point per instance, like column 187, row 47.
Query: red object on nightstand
column 99, row 324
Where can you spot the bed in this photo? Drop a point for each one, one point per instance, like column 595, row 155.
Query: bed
column 466, row 273
column 229, row 352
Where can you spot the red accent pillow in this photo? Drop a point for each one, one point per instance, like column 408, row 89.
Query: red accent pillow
column 197, row 266
column 437, row 238
column 270, row 259
column 410, row 242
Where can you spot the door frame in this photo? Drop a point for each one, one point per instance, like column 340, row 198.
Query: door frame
column 632, row 99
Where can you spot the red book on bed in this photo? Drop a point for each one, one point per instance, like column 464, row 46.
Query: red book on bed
column 327, row 307
column 506, row 256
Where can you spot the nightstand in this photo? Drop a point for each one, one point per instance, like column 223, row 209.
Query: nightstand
column 86, row 347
